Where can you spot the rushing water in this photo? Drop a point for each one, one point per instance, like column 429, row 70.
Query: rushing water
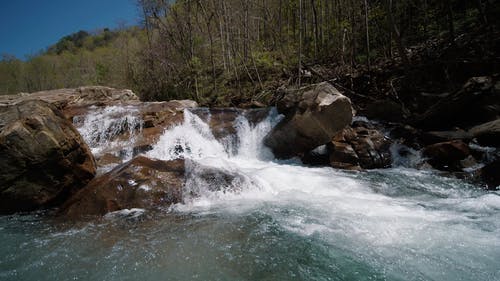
column 284, row 221
column 101, row 128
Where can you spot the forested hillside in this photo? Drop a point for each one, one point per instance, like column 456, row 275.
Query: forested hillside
column 103, row 58
column 241, row 51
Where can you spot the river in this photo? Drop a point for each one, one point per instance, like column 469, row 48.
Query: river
column 278, row 220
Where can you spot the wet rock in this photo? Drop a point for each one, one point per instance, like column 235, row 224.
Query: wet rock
column 164, row 114
column 43, row 157
column 360, row 148
column 140, row 183
column 477, row 102
column 201, row 180
column 447, row 156
column 108, row 159
column 151, row 185
column 312, row 118
column 158, row 117
column 343, row 156
column 317, row 157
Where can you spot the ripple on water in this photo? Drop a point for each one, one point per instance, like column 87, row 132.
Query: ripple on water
column 285, row 222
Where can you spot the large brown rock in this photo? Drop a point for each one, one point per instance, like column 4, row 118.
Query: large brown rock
column 149, row 184
column 140, row 183
column 312, row 118
column 43, row 158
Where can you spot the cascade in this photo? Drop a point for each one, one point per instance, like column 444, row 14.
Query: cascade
column 101, row 128
column 273, row 220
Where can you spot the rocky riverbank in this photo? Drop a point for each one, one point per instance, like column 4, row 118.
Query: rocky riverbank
column 81, row 148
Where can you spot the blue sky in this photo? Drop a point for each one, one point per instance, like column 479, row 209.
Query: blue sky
column 27, row 26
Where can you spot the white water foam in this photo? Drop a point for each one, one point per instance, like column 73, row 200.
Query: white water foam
column 415, row 220
column 101, row 127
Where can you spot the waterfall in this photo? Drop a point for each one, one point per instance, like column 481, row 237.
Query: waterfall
column 248, row 216
column 194, row 140
column 101, row 129
column 382, row 217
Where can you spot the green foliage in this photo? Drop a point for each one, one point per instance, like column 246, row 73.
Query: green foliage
column 228, row 52
column 107, row 58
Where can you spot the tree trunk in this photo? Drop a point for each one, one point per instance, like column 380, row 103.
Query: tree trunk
column 300, row 41
column 449, row 15
column 367, row 36
column 399, row 41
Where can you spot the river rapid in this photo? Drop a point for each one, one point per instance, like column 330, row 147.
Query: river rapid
column 279, row 220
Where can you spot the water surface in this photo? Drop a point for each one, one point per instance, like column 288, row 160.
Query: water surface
column 276, row 221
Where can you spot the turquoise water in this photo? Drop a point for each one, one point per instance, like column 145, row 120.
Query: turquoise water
column 278, row 221
column 436, row 229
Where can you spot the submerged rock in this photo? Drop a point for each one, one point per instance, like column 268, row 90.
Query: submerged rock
column 43, row 157
column 201, row 180
column 140, row 183
column 312, row 118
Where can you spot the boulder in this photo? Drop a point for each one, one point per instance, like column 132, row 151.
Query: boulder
column 149, row 184
column 478, row 101
column 140, row 183
column 360, row 148
column 313, row 116
column 44, row 158
column 447, row 156
column 488, row 133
